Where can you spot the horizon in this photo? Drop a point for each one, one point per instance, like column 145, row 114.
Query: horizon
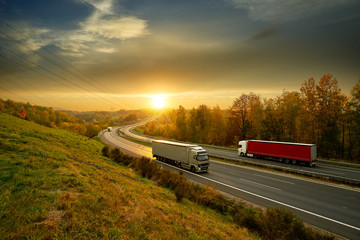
column 83, row 55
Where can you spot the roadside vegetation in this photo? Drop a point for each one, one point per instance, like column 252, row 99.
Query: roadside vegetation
column 319, row 113
column 270, row 224
column 55, row 184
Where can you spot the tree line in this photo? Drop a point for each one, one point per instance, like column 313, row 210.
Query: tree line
column 84, row 123
column 318, row 113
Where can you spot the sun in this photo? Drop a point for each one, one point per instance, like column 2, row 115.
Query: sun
column 159, row 101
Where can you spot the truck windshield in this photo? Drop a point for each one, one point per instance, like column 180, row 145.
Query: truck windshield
column 202, row 157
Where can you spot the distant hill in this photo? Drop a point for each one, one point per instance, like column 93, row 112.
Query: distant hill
column 55, row 184
column 84, row 123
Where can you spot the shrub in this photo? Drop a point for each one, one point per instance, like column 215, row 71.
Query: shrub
column 105, row 151
column 282, row 224
column 214, row 199
column 116, row 155
column 164, row 178
column 273, row 224
column 180, row 192
column 146, row 167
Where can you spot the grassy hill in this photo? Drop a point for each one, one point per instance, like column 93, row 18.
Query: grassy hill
column 56, row 185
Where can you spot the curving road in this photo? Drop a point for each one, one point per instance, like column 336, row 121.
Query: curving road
column 327, row 206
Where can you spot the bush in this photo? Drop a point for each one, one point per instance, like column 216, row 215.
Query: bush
column 273, row 224
column 116, row 155
column 146, row 167
column 245, row 217
column 105, row 151
column 180, row 192
column 212, row 198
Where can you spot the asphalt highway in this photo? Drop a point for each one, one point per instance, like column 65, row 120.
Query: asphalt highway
column 328, row 206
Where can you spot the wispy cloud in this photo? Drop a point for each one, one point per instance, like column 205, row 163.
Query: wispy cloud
column 103, row 22
column 27, row 40
column 96, row 33
column 265, row 33
column 284, row 10
column 117, row 28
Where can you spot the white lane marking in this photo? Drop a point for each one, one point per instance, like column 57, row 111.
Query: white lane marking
column 245, row 180
column 278, row 202
column 274, row 179
column 275, row 201
column 291, row 176
column 271, row 200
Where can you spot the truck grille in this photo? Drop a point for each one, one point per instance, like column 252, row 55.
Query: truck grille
column 204, row 166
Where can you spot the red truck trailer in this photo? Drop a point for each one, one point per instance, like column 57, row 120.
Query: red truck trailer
column 281, row 151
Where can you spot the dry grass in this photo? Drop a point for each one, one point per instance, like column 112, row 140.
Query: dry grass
column 46, row 194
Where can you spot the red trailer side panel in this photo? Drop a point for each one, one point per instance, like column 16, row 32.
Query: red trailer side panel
column 301, row 152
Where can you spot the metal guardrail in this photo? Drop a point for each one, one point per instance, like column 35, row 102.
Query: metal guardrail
column 324, row 176
column 318, row 175
column 345, row 164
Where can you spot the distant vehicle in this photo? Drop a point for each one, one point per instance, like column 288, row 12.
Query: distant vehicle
column 282, row 151
column 187, row 156
column 109, row 129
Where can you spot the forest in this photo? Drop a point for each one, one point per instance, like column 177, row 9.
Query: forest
column 318, row 113
column 84, row 123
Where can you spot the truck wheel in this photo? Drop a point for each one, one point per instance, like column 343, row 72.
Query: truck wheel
column 293, row 162
column 192, row 168
column 241, row 154
column 280, row 160
column 287, row 161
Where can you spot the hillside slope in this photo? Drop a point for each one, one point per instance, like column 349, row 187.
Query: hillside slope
column 55, row 184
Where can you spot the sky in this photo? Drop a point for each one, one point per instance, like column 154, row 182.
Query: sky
column 111, row 54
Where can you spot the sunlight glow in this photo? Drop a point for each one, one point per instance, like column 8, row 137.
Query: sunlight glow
column 158, row 101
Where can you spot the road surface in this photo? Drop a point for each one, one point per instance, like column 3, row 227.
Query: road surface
column 331, row 207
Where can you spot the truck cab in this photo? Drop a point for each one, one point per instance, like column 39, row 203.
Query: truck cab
column 198, row 160
column 242, row 148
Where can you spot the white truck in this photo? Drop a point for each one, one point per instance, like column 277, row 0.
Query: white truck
column 187, row 156
column 109, row 129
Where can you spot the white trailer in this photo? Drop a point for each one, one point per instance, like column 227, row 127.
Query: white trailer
column 187, row 156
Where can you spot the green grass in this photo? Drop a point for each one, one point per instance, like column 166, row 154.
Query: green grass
column 55, row 184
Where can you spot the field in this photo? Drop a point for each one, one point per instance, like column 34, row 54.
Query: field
column 56, row 185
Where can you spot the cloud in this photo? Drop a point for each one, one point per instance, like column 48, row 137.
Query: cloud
column 103, row 22
column 27, row 40
column 106, row 50
column 265, row 33
column 116, row 28
column 97, row 32
column 104, row 6
column 284, row 10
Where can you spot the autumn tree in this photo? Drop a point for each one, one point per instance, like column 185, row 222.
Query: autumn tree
column 353, row 123
column 218, row 127
column 181, row 124
column 289, row 108
column 243, row 115
column 272, row 127
column 323, row 106
column 22, row 113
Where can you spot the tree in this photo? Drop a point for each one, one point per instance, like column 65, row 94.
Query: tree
column 353, row 123
column 289, row 109
column 181, row 124
column 23, row 113
column 218, row 127
column 323, row 106
column 244, row 113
